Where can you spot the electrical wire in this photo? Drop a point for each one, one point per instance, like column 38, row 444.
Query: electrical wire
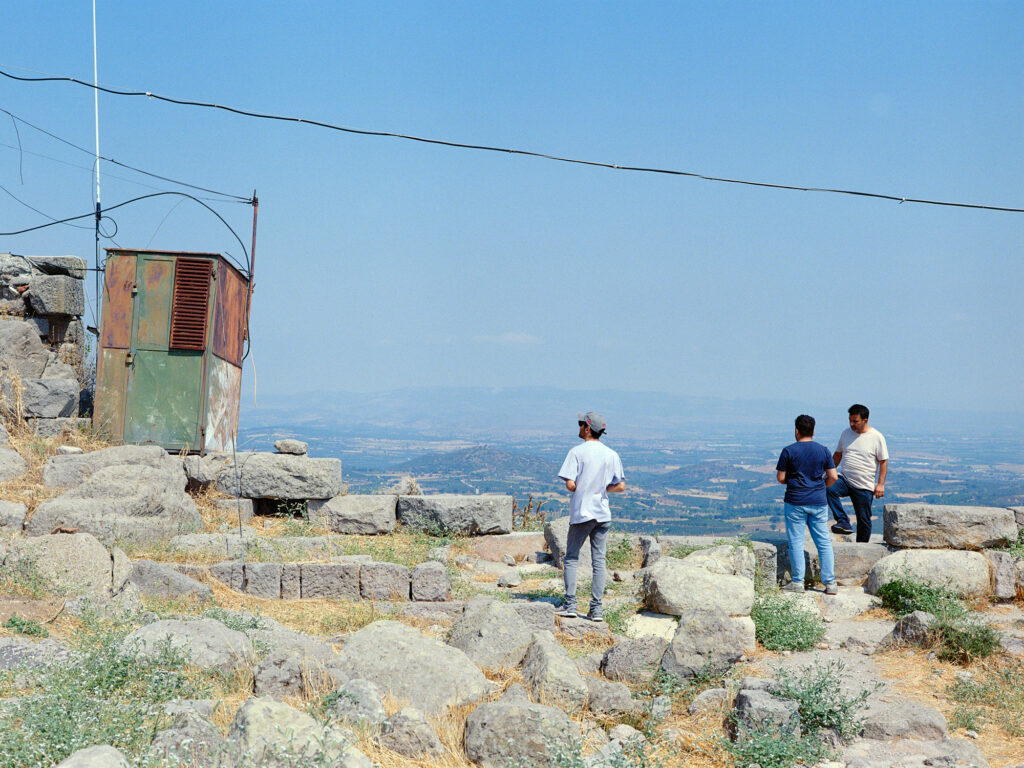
column 246, row 270
column 17, row 119
column 36, row 210
column 511, row 151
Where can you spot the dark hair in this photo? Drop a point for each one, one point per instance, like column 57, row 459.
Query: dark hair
column 593, row 432
column 805, row 425
column 859, row 410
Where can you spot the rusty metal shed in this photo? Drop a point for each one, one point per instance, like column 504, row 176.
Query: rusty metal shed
column 169, row 362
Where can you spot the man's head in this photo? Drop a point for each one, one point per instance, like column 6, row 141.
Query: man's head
column 804, row 425
column 592, row 425
column 859, row 418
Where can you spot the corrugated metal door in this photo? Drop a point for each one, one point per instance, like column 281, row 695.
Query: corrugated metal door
column 164, row 398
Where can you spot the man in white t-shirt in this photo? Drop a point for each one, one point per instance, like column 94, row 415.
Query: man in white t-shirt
column 862, row 459
column 591, row 471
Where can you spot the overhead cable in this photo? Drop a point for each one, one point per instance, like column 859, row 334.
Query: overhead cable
column 71, row 144
column 511, row 151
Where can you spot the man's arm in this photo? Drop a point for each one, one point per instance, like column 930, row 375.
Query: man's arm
column 570, row 485
column 780, row 475
column 883, row 468
column 831, row 475
column 616, row 487
column 837, row 457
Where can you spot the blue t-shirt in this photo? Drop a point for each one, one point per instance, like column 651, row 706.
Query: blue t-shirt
column 804, row 464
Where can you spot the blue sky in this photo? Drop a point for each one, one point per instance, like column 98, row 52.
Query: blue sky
column 382, row 263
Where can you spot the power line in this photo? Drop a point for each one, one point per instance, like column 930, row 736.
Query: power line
column 36, row 210
column 71, row 144
column 508, row 150
column 246, row 270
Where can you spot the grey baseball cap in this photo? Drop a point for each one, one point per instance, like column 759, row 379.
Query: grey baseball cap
column 593, row 420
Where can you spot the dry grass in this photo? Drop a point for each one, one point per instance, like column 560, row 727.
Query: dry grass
column 911, row 674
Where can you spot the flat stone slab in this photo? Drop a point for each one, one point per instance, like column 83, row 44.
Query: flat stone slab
column 935, row 526
column 966, row 573
column 281, row 476
column 369, row 514
column 519, row 545
column 67, row 470
column 457, row 514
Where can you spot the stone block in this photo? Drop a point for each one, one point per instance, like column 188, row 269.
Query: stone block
column 57, row 427
column 333, row 580
column 291, row 583
column 519, row 545
column 263, row 579
column 242, row 508
column 1018, row 516
column 935, row 526
column 457, row 514
column 676, row 587
column 384, row 581
column 281, row 476
column 360, row 514
column 1004, row 575
column 20, row 348
column 229, row 573
column 537, row 615
column 966, row 573
column 56, row 295
column 49, row 398
column 72, row 266
column 429, row 582
column 294, row 447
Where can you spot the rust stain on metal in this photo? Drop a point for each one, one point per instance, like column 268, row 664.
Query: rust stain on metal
column 111, row 381
column 229, row 318
column 224, row 392
column 154, row 314
column 117, row 301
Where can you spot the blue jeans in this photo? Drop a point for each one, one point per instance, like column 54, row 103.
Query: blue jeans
column 815, row 518
column 578, row 533
column 861, row 506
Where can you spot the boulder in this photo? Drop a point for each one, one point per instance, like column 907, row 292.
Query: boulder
column 271, row 734
column 21, row 351
column 911, row 753
column 12, row 514
column 650, row 551
column 756, row 710
column 914, row 628
column 429, row 582
column 581, row 627
column 68, row 564
column 21, row 653
column 491, row 634
column 49, row 398
column 456, row 514
column 647, row 623
column 102, row 756
column 612, row 699
column 556, row 536
column 281, row 476
column 904, row 720
column 515, row 731
column 61, row 427
column 11, row 464
column 934, row 526
column 552, row 676
column 207, row 643
column 965, row 573
column 359, row 703
column 368, row 515
column 302, row 671
column 190, row 740
column 334, row 580
column 67, row 470
column 1004, row 574
column 213, row 544
column 412, row 667
column 293, row 447
column 132, row 503
column 384, row 581
column 510, row 578
column 72, row 266
column 634, row 661
column 408, row 733
column 705, row 639
column 536, row 614
column 158, row 580
column 676, row 587
column 202, row 471
column 56, row 295
column 727, row 559
column 709, row 700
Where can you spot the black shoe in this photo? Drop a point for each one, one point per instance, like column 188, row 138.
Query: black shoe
column 567, row 611
column 841, row 529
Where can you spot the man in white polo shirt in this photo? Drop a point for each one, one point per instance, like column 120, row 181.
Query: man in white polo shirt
column 591, row 471
column 862, row 459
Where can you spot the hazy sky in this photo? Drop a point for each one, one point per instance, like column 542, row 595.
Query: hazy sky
column 384, row 263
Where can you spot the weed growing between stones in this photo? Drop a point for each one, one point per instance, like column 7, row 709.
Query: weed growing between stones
column 621, row 553
column 616, row 616
column 529, row 518
column 781, row 624
column 683, row 690
column 817, row 689
column 29, row 627
column 102, row 696
column 21, row 578
column 770, row 747
column 905, row 595
column 963, row 640
column 992, row 695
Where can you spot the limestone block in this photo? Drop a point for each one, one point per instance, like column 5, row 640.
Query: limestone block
column 966, row 573
column 384, row 581
column 336, row 580
column 12, row 514
column 674, row 586
column 491, row 634
column 294, row 447
column 263, row 579
column 49, row 398
column 457, row 514
column 519, row 545
column 281, row 476
column 72, row 266
column 360, row 514
column 704, row 638
column 56, row 295
column 291, row 582
column 552, row 675
column 935, row 526
column 58, row 427
column 1004, row 575
column 21, row 351
column 72, row 469
column 71, row 564
column 537, row 615
column 11, row 464
column 159, row 580
column 239, row 509
column 429, row 582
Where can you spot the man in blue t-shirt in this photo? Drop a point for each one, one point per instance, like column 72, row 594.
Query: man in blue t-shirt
column 806, row 468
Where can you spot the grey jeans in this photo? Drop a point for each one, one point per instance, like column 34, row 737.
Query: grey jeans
column 578, row 533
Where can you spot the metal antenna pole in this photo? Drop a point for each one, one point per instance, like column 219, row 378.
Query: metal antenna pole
column 96, row 113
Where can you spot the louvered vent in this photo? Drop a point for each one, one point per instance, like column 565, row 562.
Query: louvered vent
column 191, row 302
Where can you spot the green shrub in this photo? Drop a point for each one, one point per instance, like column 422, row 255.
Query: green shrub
column 620, row 554
column 783, row 625
column 817, row 689
column 905, row 595
column 963, row 641
column 103, row 697
column 770, row 747
column 26, row 627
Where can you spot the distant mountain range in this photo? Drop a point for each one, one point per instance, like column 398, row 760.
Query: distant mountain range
column 481, row 460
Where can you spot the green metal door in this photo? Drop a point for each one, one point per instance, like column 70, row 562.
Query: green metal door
column 164, row 396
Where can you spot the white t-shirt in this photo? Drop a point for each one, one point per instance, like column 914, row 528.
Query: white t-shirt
column 593, row 467
column 861, row 454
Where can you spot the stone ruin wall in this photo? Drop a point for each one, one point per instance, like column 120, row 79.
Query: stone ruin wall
column 45, row 371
